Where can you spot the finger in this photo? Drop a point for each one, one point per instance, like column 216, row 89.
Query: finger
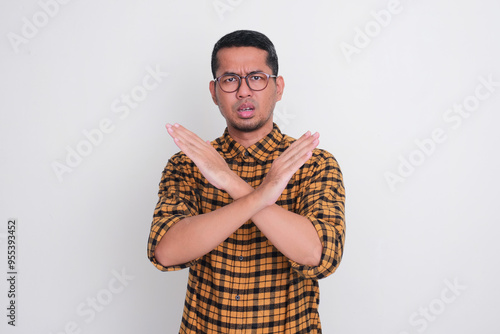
column 301, row 139
column 295, row 157
column 307, row 146
column 300, row 157
column 170, row 131
column 179, row 131
column 294, row 163
column 193, row 146
column 180, row 141
column 304, row 139
column 187, row 136
column 307, row 139
column 187, row 147
column 184, row 139
column 306, row 142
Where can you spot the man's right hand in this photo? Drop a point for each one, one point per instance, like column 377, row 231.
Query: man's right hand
column 286, row 165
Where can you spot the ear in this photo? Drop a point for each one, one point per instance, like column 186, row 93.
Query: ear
column 280, row 86
column 212, row 91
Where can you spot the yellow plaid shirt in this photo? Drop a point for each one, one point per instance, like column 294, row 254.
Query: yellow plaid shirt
column 245, row 285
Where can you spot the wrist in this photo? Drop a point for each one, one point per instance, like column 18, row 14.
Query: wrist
column 266, row 194
column 237, row 187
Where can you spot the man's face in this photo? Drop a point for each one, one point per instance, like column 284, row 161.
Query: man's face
column 246, row 110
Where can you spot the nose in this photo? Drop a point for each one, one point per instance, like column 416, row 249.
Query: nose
column 244, row 91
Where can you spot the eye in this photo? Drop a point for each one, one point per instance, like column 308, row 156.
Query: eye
column 229, row 79
column 257, row 77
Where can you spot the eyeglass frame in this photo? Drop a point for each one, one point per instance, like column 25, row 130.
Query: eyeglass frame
column 216, row 80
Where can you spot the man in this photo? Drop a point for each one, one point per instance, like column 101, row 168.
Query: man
column 257, row 216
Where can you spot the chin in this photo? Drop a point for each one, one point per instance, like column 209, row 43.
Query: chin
column 251, row 124
column 248, row 125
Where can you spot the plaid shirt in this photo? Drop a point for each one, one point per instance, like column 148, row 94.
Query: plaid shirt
column 245, row 285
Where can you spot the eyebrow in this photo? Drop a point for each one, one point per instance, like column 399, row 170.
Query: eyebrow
column 233, row 73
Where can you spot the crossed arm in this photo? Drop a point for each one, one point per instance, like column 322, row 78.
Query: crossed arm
column 292, row 234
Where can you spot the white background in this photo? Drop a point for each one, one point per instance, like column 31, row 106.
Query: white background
column 406, row 244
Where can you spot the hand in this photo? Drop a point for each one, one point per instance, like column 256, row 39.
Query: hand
column 210, row 163
column 286, row 165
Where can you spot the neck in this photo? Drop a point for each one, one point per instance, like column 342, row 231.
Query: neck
column 247, row 139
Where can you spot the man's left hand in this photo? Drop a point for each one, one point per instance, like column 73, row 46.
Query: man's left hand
column 210, row 163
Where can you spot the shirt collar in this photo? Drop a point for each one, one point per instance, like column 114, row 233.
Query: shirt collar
column 260, row 150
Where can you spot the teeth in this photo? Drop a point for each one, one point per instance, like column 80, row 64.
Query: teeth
column 246, row 109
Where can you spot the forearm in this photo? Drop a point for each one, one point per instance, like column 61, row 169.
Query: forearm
column 292, row 234
column 195, row 236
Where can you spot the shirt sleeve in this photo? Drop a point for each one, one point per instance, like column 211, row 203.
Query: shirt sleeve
column 322, row 201
column 176, row 200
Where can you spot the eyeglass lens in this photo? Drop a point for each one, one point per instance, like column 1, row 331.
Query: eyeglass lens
column 230, row 82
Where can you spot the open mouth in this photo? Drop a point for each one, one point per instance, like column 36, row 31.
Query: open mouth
column 246, row 110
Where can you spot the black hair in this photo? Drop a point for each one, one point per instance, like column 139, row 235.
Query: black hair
column 246, row 38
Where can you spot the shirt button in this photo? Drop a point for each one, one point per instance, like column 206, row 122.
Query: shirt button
column 241, row 258
column 246, row 153
column 237, row 297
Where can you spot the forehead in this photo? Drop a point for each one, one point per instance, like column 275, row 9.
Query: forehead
column 242, row 60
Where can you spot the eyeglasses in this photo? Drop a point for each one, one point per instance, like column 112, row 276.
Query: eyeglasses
column 256, row 81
